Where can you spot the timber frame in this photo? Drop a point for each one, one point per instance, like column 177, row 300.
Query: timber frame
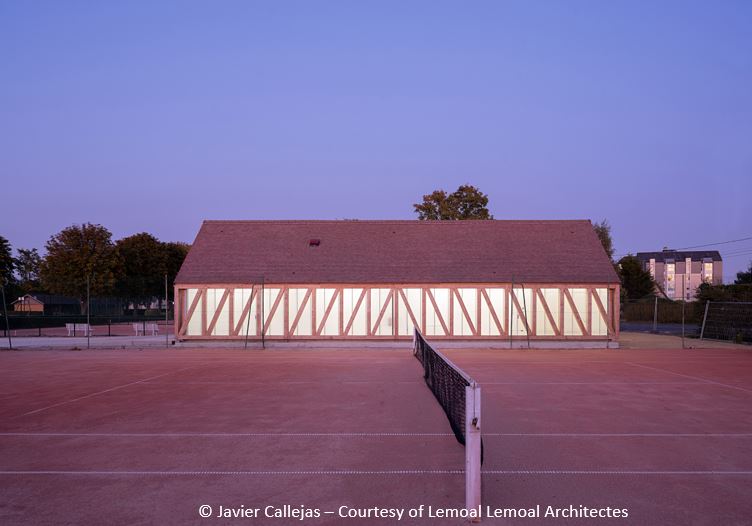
column 358, row 311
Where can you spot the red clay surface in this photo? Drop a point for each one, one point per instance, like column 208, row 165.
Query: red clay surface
column 146, row 437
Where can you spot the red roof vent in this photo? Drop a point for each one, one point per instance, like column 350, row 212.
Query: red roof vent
column 314, row 242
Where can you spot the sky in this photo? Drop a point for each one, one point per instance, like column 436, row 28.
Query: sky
column 153, row 116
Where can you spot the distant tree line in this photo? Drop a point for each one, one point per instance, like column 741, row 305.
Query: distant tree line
column 133, row 267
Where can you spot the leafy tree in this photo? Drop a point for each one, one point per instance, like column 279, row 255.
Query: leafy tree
column 7, row 280
column 175, row 253
column 75, row 253
column 636, row 282
column 28, row 266
column 7, row 263
column 603, row 231
column 467, row 202
column 144, row 261
column 744, row 277
column 735, row 292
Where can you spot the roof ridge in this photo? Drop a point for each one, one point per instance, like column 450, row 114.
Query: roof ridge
column 400, row 221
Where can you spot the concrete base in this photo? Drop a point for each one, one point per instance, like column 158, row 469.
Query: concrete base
column 143, row 342
column 370, row 344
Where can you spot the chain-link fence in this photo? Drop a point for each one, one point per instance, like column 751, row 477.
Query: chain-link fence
column 79, row 325
column 727, row 321
column 692, row 319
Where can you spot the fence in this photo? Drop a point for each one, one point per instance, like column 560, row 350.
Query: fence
column 66, row 325
column 727, row 321
column 694, row 319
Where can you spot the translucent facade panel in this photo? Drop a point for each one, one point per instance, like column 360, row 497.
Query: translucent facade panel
column 571, row 327
column 381, row 298
column 488, row 325
column 434, row 318
column 276, row 319
column 415, row 303
column 194, row 323
column 469, row 297
column 518, row 316
column 296, row 301
column 323, row 298
column 248, row 323
column 543, row 325
column 213, row 298
column 600, row 324
column 350, row 299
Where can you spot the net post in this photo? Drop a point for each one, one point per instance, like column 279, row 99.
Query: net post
column 472, row 449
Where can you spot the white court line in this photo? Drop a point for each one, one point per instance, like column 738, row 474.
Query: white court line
column 103, row 392
column 617, row 435
column 157, row 435
column 608, row 472
column 376, row 434
column 696, row 382
column 294, row 382
column 705, row 380
column 381, row 472
column 263, row 472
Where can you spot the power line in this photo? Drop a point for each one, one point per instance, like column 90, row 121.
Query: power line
column 719, row 243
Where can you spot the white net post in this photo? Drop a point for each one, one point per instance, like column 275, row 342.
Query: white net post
column 472, row 446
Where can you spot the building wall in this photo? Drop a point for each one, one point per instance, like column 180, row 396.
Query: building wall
column 28, row 305
column 492, row 311
column 687, row 275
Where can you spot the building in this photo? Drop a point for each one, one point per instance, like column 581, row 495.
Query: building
column 28, row 303
column 46, row 304
column 678, row 273
column 376, row 280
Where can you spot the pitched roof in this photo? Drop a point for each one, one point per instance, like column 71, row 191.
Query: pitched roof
column 681, row 255
column 50, row 299
column 227, row 252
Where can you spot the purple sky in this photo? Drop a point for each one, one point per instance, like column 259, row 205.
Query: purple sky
column 151, row 116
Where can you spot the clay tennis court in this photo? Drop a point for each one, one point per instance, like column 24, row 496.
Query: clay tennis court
column 148, row 436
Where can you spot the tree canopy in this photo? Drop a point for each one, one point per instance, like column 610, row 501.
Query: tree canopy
column 636, row 282
column 603, row 231
column 28, row 267
column 745, row 276
column 146, row 261
column 467, row 202
column 7, row 263
column 78, row 252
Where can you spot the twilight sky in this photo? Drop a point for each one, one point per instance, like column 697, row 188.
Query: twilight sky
column 151, row 116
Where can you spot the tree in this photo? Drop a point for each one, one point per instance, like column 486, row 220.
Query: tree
column 28, row 266
column 467, row 202
column 144, row 261
column 636, row 281
column 603, row 231
column 7, row 280
column 78, row 252
column 744, row 277
column 175, row 253
column 7, row 263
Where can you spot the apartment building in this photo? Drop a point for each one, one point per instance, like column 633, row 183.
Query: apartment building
column 679, row 273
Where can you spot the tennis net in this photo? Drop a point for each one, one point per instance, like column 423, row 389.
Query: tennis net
column 459, row 396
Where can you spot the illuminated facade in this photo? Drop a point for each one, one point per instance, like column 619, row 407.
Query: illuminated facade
column 678, row 273
column 376, row 280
